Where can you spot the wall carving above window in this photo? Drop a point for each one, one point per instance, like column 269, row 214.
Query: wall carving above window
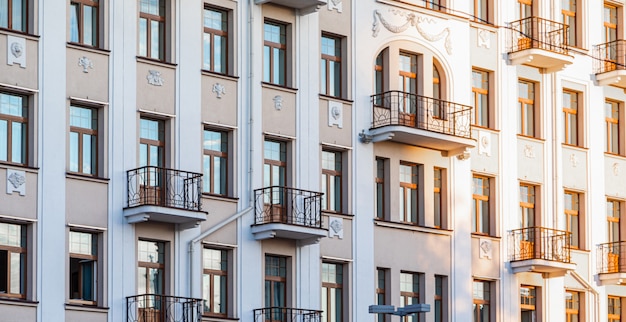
column 335, row 5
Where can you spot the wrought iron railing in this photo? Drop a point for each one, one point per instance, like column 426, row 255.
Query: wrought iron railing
column 286, row 314
column 162, row 308
column 539, row 243
column 425, row 113
column 612, row 257
column 609, row 56
column 164, row 187
column 535, row 32
column 289, row 206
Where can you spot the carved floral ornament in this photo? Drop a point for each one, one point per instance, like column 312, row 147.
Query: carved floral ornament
column 412, row 19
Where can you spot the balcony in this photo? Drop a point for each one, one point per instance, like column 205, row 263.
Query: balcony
column 421, row 121
column 540, row 250
column 163, row 308
column 284, row 314
column 539, row 43
column 612, row 263
column 295, row 4
column 164, row 195
column 288, row 213
column 609, row 63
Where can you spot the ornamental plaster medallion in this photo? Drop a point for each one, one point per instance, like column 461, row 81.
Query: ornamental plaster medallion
column 529, row 151
column 219, row 90
column 154, row 78
column 16, row 51
column 485, row 249
column 412, row 19
column 484, row 139
column 335, row 5
column 278, row 102
column 335, row 226
column 85, row 63
column 484, row 38
column 335, row 114
column 16, row 182
column 574, row 160
column 616, row 169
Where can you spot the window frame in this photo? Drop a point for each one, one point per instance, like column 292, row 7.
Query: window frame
column 381, row 188
column 160, row 143
column 526, row 105
column 159, row 265
column 529, row 302
column 487, row 298
column 95, row 248
column 440, row 299
column 613, row 220
column 276, row 278
column 212, row 273
column 281, row 47
column 478, row 199
column 483, row 93
column 613, row 127
column 12, row 249
column 381, row 291
column 25, row 15
column 614, row 315
column 570, row 15
column 81, row 132
column 224, row 162
column 611, row 27
column 572, row 118
column 573, row 215
column 326, row 61
column 161, row 19
column 572, row 306
column 329, row 174
column 438, row 195
column 330, row 286
column 408, row 190
column 483, row 15
column 25, row 123
column 213, row 33
column 410, row 296
column 80, row 19
column 528, row 205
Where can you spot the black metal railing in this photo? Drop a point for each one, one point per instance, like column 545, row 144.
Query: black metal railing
column 535, row 32
column 539, row 243
column 286, row 314
column 609, row 56
column 612, row 257
column 425, row 113
column 289, row 206
column 164, row 187
column 162, row 308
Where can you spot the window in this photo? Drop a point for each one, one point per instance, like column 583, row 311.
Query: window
column 438, row 107
column 568, row 10
column 408, row 193
column 611, row 114
column 331, row 181
column 572, row 306
column 434, row 4
column 479, row 10
column 275, row 285
column 527, row 206
column 332, row 292
column 215, row 281
column 438, row 200
column 571, row 217
column 570, row 118
column 150, row 267
column 275, row 164
column 13, row 128
column 152, row 143
column 480, row 97
column 615, row 309
column 440, row 297
column 613, row 219
column 215, row 162
column 12, row 260
column 528, row 298
column 524, row 9
column 610, row 24
column 379, row 79
column 481, row 301
column 84, row 22
column 409, row 293
column 526, row 103
column 13, row 14
column 381, row 286
column 408, row 74
column 152, row 29
column 215, row 40
column 380, row 188
column 330, row 74
column 274, row 53
column 480, row 209
column 84, row 140
column 83, row 267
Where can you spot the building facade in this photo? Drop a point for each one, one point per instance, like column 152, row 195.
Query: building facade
column 301, row 160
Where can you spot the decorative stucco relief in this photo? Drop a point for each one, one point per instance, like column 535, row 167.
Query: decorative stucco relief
column 335, row 227
column 16, row 51
column 16, row 181
column 484, row 140
column 574, row 160
column 616, row 169
column 335, row 5
column 485, row 248
column 335, row 114
column 219, row 90
column 278, row 102
column 85, row 63
column 529, row 151
column 484, row 38
column 412, row 20
column 154, row 78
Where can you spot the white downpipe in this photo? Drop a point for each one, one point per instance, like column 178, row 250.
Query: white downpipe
column 589, row 288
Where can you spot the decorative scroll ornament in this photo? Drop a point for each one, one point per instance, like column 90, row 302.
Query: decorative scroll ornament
column 154, row 78
column 16, row 182
column 335, row 5
column 335, row 226
column 85, row 63
column 278, row 102
column 219, row 90
column 412, row 20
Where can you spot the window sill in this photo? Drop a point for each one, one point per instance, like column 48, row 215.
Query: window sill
column 156, row 62
column 88, row 48
column 532, row 138
column 279, row 87
column 479, row 235
column 412, row 227
column 219, row 197
column 338, row 214
column 480, row 127
column 217, row 318
column 614, row 155
column 219, row 75
column 18, row 302
column 13, row 166
column 86, row 308
column 576, row 147
column 335, row 98
column 483, row 24
column 19, row 33
column 85, row 177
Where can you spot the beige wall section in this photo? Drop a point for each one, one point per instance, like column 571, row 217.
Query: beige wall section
column 279, row 119
column 340, row 23
column 86, row 202
column 219, row 108
column 84, row 315
column 15, row 205
column 287, row 16
column 14, row 74
column 84, row 82
column 156, row 98
column 13, row 312
column 220, row 210
column 530, row 279
column 574, row 169
column 530, row 159
column 615, row 176
column 486, row 267
column 332, row 133
column 334, row 246
column 582, row 260
column 485, row 156
column 482, row 41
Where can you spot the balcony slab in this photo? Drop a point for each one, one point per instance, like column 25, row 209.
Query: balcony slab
column 296, row 4
column 552, row 268
column 617, row 278
column 450, row 145
column 164, row 214
column 541, row 58
column 304, row 234
column 615, row 78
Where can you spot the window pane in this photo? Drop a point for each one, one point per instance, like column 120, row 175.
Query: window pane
column 206, row 51
column 90, row 25
column 74, row 14
column 4, row 13
column 4, row 140
column 18, row 144
column 219, row 60
column 87, row 154
column 19, row 15
column 155, row 39
column 143, row 37
column 266, row 64
column 73, row 151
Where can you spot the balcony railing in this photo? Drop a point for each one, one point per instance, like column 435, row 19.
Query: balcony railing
column 425, row 113
column 288, row 206
column 612, row 257
column 539, row 33
column 284, row 314
column 609, row 57
column 162, row 308
column 539, row 243
column 164, row 187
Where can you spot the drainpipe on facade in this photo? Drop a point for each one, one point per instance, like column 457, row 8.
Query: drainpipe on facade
column 589, row 288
